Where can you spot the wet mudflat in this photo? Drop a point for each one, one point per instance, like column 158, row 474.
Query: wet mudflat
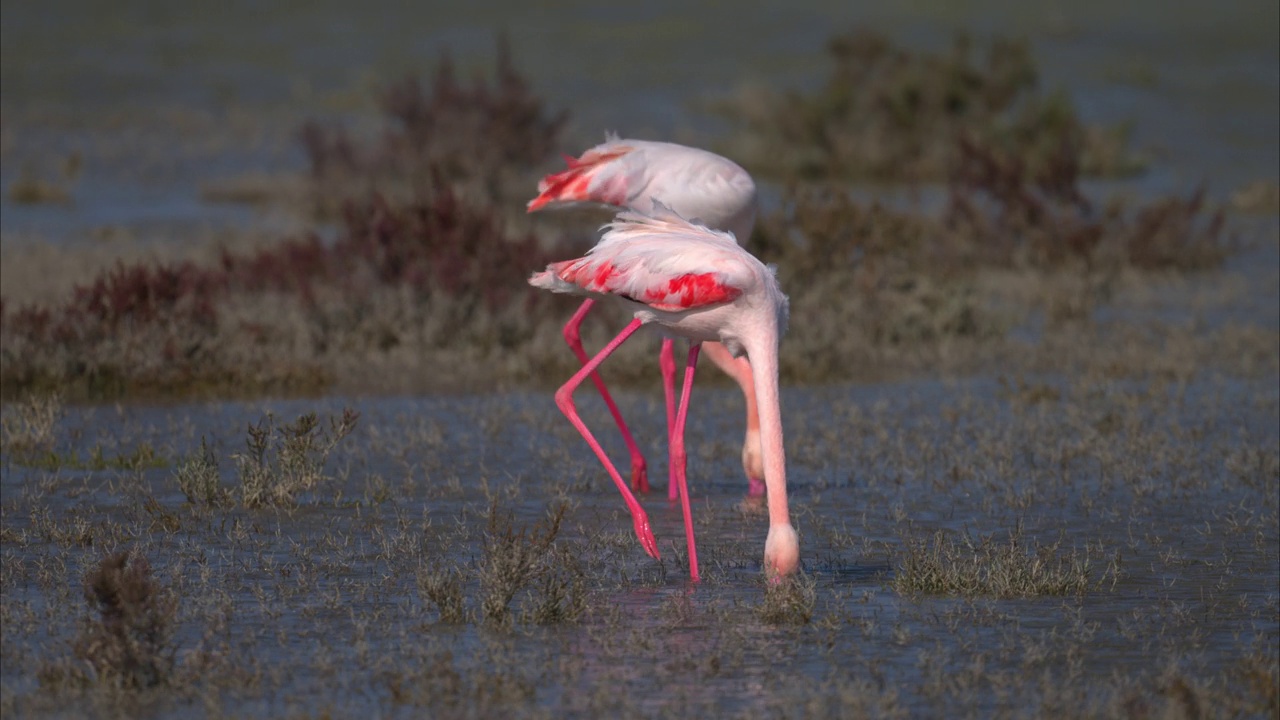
column 1046, row 546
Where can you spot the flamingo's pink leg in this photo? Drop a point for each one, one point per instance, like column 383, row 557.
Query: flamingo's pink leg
column 564, row 399
column 639, row 470
column 677, row 451
column 667, row 362
column 752, row 457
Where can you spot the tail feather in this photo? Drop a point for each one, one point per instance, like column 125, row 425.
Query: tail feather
column 574, row 183
column 552, row 279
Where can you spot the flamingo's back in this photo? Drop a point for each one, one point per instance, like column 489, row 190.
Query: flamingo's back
column 660, row 260
column 697, row 184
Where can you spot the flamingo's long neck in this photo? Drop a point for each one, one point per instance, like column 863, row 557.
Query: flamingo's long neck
column 763, row 354
column 782, row 547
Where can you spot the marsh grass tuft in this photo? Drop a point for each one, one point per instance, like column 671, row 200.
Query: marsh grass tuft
column 197, row 478
column 28, row 426
column 127, row 642
column 790, row 601
column 527, row 559
column 443, row 588
column 284, row 461
column 560, row 594
column 987, row 567
column 912, row 284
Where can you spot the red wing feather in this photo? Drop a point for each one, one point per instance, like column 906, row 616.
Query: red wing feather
column 690, row 291
column 573, row 184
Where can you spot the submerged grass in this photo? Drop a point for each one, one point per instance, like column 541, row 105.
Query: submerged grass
column 987, row 567
column 789, row 601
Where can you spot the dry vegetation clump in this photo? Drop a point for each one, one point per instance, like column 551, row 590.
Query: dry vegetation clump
column 27, row 427
column 524, row 562
column 891, row 284
column 442, row 586
column 516, row 560
column 986, row 567
column 1003, row 212
column 135, row 329
column 434, row 273
column 423, row 259
column 887, row 113
column 867, row 274
column 284, row 461
column 197, row 478
column 484, row 139
column 127, row 642
column 789, row 601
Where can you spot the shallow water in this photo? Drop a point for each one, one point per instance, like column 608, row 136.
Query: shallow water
column 1178, row 491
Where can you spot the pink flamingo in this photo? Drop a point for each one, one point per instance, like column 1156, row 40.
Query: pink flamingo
column 698, row 284
column 631, row 174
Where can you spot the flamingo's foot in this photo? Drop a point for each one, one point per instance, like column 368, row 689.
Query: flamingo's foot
column 645, row 534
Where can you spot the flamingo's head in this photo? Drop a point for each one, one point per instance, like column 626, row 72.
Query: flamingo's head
column 781, row 551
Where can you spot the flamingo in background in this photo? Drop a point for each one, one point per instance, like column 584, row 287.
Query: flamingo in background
column 696, row 283
column 696, row 184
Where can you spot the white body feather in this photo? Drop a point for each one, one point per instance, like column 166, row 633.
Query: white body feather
column 640, row 255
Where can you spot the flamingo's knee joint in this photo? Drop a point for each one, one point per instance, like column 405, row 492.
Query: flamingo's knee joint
column 564, row 401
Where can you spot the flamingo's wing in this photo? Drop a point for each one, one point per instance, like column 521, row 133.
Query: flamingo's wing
column 594, row 177
column 660, row 260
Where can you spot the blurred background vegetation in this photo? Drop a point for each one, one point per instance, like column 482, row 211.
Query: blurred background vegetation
column 242, row 201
